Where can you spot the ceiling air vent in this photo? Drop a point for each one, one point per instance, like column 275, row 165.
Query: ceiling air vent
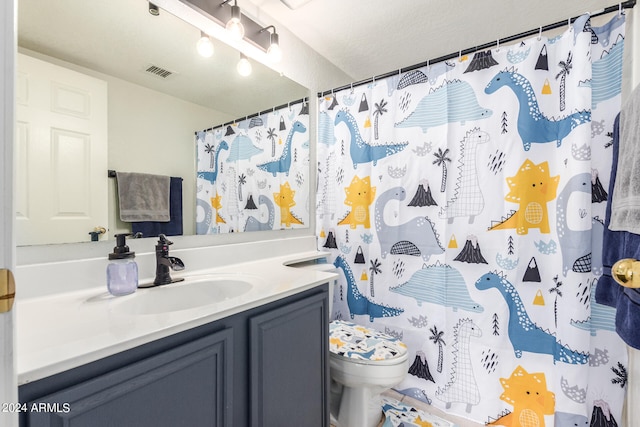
column 158, row 71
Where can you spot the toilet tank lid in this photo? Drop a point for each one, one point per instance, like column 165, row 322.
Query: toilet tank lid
column 355, row 341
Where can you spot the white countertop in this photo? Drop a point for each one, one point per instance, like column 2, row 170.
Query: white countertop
column 59, row 332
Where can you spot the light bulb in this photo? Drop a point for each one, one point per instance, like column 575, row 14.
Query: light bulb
column 244, row 66
column 236, row 29
column 205, row 46
column 274, row 52
column 234, row 25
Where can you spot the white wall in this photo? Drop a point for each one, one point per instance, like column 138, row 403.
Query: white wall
column 151, row 132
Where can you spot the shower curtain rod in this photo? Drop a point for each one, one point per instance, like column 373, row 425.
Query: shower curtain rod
column 288, row 104
column 624, row 5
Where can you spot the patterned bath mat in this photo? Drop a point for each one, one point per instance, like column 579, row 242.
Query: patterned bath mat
column 398, row 414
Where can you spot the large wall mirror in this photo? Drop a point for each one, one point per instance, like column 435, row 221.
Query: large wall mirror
column 152, row 115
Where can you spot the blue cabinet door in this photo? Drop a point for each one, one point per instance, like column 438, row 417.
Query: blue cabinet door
column 189, row 385
column 289, row 365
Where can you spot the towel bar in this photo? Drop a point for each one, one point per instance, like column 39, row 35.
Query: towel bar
column 627, row 272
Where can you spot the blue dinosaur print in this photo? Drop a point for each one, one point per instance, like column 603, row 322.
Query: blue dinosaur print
column 453, row 101
column 567, row 419
column 325, row 129
column 203, row 224
column 283, row 164
column 516, row 56
column 602, row 318
column 604, row 32
column 439, row 284
column 606, row 77
column 523, row 333
column 361, row 355
column 211, row 176
column 253, row 224
column 581, row 249
column 533, row 126
column 242, row 148
column 360, row 150
column 415, row 237
column 358, row 303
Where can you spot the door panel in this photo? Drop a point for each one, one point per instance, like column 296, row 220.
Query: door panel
column 61, row 143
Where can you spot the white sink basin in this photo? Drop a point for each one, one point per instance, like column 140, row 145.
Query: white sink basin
column 193, row 292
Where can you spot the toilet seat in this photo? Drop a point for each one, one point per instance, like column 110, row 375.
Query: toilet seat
column 354, row 343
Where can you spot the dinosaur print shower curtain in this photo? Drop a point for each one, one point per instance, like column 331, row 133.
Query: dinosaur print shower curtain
column 253, row 175
column 463, row 203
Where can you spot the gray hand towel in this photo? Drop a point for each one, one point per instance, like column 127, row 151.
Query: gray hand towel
column 143, row 197
column 625, row 204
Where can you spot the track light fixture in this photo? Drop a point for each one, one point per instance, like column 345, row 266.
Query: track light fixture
column 244, row 66
column 234, row 24
column 238, row 27
column 204, row 45
column 273, row 51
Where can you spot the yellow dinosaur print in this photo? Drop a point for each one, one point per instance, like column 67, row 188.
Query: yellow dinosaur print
column 216, row 203
column 336, row 341
column 284, row 199
column 530, row 398
column 360, row 195
column 531, row 188
column 419, row 422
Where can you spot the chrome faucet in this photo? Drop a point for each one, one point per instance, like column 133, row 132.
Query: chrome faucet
column 166, row 263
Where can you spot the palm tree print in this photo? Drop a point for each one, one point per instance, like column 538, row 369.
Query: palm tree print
column 271, row 134
column 380, row 109
column 374, row 269
column 436, row 337
column 208, row 148
column 441, row 160
column 565, row 69
column 242, row 179
column 558, row 292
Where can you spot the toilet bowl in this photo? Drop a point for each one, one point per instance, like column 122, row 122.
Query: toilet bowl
column 364, row 363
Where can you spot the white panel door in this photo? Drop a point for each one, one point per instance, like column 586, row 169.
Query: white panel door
column 61, row 154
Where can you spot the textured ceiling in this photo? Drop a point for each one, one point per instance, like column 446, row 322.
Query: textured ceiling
column 361, row 37
column 370, row 37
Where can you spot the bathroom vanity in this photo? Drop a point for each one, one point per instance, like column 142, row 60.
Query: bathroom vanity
column 257, row 359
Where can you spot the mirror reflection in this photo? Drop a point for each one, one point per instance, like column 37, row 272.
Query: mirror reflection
column 151, row 90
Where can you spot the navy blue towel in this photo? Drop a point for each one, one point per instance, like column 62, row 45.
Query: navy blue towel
column 174, row 226
column 618, row 245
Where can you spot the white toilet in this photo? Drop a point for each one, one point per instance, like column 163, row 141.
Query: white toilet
column 365, row 363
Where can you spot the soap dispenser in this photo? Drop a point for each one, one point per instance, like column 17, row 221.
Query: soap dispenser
column 122, row 271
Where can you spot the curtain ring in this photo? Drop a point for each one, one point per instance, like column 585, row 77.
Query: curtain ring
column 620, row 11
column 351, row 88
column 289, row 105
column 497, row 45
column 460, row 55
column 569, row 24
column 540, row 34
